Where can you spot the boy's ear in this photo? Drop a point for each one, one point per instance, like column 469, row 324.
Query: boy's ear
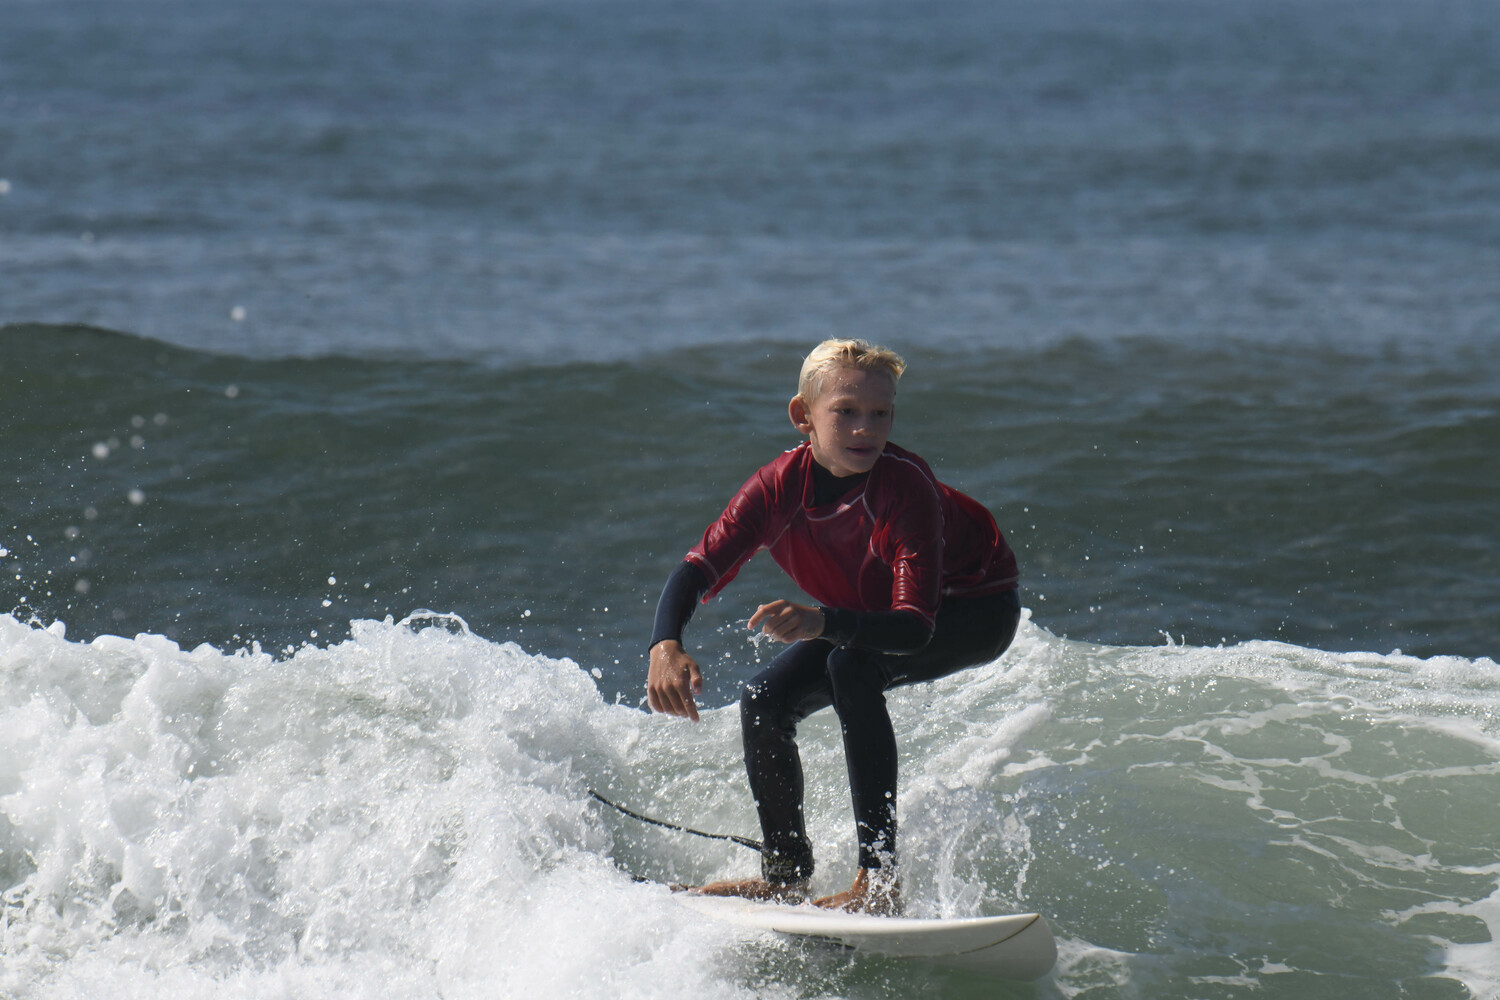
column 797, row 409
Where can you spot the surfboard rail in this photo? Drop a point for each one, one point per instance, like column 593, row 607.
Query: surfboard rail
column 1012, row 946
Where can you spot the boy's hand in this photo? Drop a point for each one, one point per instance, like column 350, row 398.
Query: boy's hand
column 673, row 679
column 787, row 622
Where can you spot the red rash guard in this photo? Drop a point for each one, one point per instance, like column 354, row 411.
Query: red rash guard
column 899, row 542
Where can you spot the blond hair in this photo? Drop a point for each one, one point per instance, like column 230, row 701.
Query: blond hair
column 831, row 355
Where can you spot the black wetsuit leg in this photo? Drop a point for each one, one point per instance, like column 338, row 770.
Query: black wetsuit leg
column 815, row 674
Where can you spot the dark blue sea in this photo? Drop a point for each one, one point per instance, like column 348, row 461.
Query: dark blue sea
column 366, row 367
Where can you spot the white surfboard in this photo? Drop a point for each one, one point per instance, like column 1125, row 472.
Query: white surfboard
column 1017, row 946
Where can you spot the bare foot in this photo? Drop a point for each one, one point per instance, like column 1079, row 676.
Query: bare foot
column 876, row 891
column 756, row 888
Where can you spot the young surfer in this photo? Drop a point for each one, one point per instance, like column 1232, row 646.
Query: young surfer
column 914, row 581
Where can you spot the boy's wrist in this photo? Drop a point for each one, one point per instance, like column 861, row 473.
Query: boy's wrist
column 838, row 624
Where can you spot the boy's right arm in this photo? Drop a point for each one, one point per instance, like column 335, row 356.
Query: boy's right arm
column 673, row 677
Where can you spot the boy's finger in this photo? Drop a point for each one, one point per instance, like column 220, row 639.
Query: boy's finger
column 679, row 694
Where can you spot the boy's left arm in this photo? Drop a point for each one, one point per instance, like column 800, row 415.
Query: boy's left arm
column 788, row 622
column 898, row 632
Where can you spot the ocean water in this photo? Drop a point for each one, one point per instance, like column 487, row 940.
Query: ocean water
column 366, row 367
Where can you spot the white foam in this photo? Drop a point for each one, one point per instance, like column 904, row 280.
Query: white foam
column 403, row 810
column 407, row 813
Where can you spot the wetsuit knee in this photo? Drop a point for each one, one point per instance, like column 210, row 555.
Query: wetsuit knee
column 762, row 717
column 855, row 676
column 752, row 706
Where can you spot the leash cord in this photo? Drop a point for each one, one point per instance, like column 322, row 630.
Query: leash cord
column 754, row 845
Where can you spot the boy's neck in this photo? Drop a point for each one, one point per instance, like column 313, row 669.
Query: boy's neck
column 828, row 488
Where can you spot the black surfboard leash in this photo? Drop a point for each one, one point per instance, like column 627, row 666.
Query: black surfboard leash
column 754, row 845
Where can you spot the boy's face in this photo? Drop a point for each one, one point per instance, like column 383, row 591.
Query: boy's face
column 849, row 422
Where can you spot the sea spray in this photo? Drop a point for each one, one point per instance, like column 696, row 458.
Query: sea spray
column 406, row 813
